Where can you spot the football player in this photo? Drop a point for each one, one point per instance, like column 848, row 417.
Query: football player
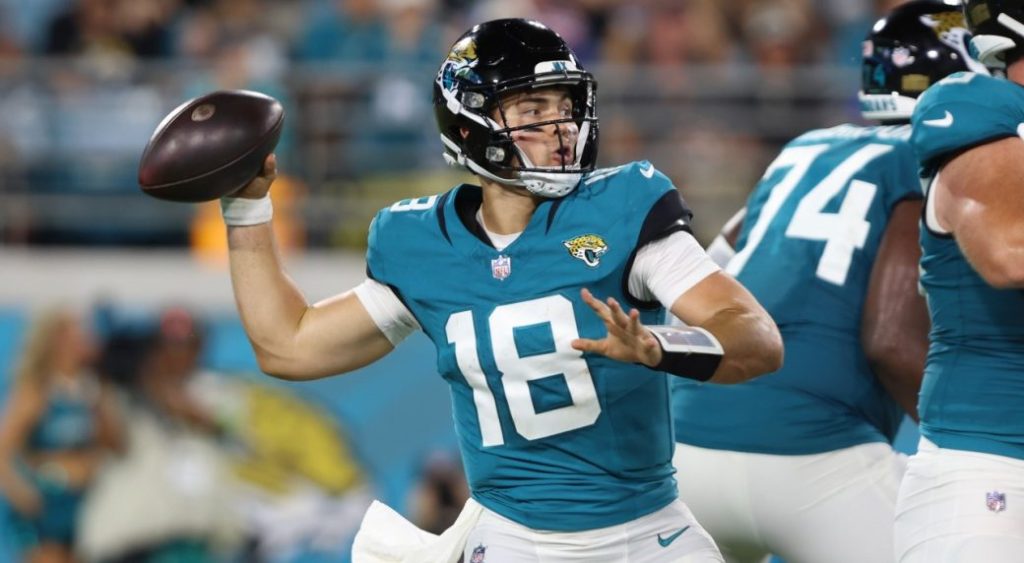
column 961, row 498
column 536, row 287
column 799, row 463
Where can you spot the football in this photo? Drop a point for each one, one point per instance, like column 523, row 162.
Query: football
column 210, row 146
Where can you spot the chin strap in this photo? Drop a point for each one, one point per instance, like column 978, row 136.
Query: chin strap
column 544, row 184
column 554, row 184
column 547, row 184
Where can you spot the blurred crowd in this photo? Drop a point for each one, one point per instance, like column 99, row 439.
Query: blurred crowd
column 771, row 32
column 117, row 446
column 706, row 89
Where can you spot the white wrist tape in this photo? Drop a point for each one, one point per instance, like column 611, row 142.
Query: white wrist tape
column 243, row 212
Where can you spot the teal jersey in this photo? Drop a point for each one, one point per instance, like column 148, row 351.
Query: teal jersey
column 67, row 423
column 973, row 387
column 552, row 438
column 810, row 237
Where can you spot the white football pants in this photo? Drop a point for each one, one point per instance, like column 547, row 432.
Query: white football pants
column 832, row 507
column 958, row 506
column 667, row 535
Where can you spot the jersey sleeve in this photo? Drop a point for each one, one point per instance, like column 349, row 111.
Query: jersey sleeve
column 962, row 111
column 669, row 212
column 376, row 263
column 388, row 312
column 664, row 212
column 669, row 267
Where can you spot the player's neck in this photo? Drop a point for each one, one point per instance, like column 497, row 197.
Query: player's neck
column 507, row 210
column 1015, row 71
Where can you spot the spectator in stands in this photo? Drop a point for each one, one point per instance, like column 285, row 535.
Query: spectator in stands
column 391, row 137
column 349, row 32
column 58, row 423
column 777, row 33
column 114, row 27
column 22, row 135
column 173, row 460
column 173, row 361
column 413, row 32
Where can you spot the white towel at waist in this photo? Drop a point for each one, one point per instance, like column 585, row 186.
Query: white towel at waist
column 386, row 537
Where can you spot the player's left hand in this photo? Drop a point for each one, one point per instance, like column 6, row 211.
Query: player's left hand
column 627, row 341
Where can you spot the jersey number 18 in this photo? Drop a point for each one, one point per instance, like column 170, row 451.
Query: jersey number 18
column 518, row 371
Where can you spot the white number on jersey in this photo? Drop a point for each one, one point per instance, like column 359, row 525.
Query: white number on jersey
column 843, row 232
column 417, row 204
column 958, row 78
column 517, row 371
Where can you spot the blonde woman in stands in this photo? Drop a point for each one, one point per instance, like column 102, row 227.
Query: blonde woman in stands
column 58, row 422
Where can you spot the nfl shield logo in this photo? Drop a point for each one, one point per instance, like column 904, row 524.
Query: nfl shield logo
column 995, row 501
column 501, row 268
column 478, row 554
column 901, row 57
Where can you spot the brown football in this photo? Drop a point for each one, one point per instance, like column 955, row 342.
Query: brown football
column 210, row 146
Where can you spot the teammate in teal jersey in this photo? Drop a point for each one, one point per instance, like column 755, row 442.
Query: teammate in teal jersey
column 564, row 428
column 961, row 498
column 799, row 462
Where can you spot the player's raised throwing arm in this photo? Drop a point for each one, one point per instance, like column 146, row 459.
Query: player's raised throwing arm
column 291, row 338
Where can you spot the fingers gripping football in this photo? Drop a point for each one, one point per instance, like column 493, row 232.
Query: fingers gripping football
column 260, row 185
column 627, row 340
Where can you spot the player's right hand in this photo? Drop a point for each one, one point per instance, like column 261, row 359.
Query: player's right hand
column 260, row 185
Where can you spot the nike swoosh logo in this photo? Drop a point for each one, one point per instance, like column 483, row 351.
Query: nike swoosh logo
column 944, row 121
column 648, row 171
column 667, row 541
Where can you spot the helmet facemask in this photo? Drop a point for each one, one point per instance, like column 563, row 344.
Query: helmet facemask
column 513, row 162
column 998, row 30
column 474, row 126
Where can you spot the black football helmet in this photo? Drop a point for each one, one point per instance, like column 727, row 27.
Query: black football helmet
column 497, row 58
column 914, row 46
column 998, row 30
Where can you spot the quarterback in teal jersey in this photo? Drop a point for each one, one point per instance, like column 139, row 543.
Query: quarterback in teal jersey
column 539, row 288
column 799, row 462
column 961, row 498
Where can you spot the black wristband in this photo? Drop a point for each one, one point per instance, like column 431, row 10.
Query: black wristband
column 687, row 351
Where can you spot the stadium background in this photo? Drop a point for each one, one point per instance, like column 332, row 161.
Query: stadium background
column 707, row 90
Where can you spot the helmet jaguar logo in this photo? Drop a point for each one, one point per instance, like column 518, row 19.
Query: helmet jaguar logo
column 463, row 51
column 459, row 64
column 949, row 28
column 588, row 248
column 943, row 22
